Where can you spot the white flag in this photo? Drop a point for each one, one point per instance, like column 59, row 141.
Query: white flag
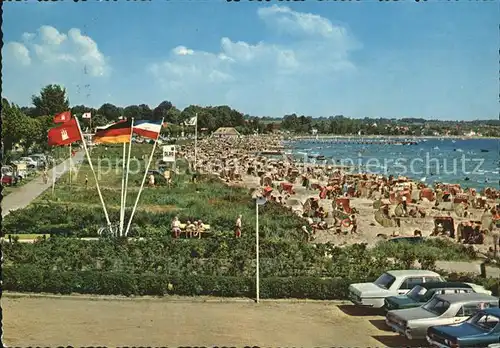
column 86, row 115
column 192, row 121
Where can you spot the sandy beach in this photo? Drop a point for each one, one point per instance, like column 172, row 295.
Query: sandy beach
column 373, row 201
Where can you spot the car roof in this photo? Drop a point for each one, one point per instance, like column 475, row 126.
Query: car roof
column 467, row 297
column 412, row 272
column 493, row 311
column 445, row 285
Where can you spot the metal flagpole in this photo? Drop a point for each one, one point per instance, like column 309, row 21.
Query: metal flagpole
column 126, row 176
column 142, row 184
column 54, row 176
column 93, row 171
column 257, row 285
column 258, row 201
column 70, row 167
column 195, row 140
column 123, row 186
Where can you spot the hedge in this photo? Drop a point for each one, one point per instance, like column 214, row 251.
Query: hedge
column 31, row 279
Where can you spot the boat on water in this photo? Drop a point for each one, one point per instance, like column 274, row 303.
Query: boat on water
column 484, row 150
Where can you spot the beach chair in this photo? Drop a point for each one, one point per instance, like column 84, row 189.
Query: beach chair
column 428, row 194
column 345, row 202
column 286, row 187
column 447, row 223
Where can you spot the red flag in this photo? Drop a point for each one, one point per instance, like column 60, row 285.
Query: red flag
column 62, row 117
column 65, row 134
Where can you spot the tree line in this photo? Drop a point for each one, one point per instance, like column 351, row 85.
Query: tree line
column 28, row 125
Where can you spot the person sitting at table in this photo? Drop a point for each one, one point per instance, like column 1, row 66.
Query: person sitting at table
column 190, row 228
column 176, row 227
column 199, row 228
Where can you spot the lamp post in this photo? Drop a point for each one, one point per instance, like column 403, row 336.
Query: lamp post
column 258, row 201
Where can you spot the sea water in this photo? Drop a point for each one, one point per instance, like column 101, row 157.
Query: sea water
column 460, row 161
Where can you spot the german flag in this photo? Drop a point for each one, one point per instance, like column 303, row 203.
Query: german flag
column 116, row 133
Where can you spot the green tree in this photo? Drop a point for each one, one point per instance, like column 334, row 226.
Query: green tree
column 161, row 111
column 51, row 101
column 110, row 112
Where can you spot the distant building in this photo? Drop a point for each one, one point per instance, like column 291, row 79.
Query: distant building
column 226, row 132
column 314, row 131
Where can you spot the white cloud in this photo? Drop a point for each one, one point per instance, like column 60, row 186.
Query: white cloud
column 182, row 51
column 315, row 50
column 286, row 20
column 51, row 36
column 57, row 51
column 27, row 37
column 18, row 52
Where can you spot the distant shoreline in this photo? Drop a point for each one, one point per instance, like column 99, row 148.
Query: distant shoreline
column 326, row 136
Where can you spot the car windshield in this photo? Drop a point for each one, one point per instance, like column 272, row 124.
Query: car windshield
column 385, row 281
column 436, row 306
column 485, row 321
column 416, row 293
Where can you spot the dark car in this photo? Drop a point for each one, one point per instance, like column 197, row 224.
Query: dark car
column 421, row 294
column 480, row 330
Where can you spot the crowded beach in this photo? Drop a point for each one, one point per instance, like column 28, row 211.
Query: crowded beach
column 344, row 206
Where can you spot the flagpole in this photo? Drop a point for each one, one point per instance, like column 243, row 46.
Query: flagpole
column 123, row 186
column 142, row 184
column 70, row 166
column 54, row 175
column 126, row 174
column 195, row 140
column 93, row 171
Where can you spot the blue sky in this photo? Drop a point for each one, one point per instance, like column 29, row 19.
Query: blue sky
column 437, row 60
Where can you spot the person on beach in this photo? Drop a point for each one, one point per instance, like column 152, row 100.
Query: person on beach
column 86, row 181
column 354, row 224
column 237, row 231
column 405, row 206
column 307, row 233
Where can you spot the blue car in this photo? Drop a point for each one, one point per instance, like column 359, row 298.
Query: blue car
column 480, row 330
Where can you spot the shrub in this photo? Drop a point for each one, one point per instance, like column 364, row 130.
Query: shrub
column 32, row 279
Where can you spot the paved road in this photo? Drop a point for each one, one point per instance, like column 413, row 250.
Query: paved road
column 25, row 194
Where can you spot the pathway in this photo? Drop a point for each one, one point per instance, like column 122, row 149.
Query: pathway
column 25, row 194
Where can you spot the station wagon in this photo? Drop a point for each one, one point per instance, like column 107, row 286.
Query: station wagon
column 423, row 293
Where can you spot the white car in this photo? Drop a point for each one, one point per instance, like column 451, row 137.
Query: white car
column 39, row 159
column 391, row 283
column 29, row 161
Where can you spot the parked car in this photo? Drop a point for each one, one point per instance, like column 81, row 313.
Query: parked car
column 423, row 293
column 40, row 159
column 391, row 283
column 480, row 330
column 30, row 162
column 441, row 310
